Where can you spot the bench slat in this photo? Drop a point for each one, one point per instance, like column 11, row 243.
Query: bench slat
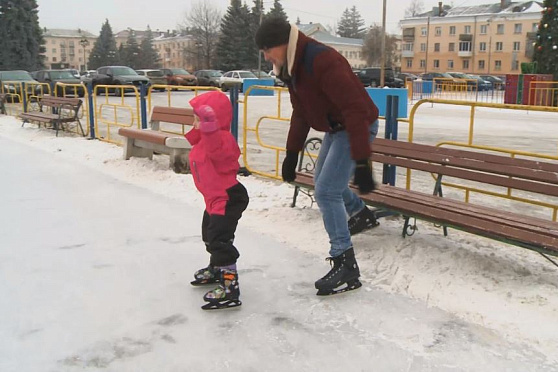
column 184, row 116
column 144, row 135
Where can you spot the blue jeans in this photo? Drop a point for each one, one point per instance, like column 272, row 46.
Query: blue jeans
column 334, row 169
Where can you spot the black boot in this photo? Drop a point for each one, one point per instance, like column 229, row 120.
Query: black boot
column 344, row 272
column 226, row 294
column 363, row 220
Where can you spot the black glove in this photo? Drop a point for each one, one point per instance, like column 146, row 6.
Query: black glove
column 289, row 166
column 363, row 176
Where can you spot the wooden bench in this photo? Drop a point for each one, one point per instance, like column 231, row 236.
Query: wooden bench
column 62, row 110
column 534, row 177
column 144, row 142
column 3, row 103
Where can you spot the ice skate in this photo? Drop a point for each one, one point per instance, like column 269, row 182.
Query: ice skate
column 342, row 277
column 226, row 294
column 207, row 275
column 362, row 221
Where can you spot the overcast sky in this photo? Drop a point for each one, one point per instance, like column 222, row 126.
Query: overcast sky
column 166, row 14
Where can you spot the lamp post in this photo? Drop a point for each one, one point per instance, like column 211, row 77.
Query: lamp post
column 84, row 44
column 198, row 48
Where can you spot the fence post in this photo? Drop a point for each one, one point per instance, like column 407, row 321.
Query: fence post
column 234, row 103
column 143, row 107
column 391, row 130
column 91, row 110
column 24, row 96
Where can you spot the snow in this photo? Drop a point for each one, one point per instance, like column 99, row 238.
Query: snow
column 97, row 254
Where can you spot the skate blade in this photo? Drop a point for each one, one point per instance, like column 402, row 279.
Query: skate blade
column 198, row 283
column 217, row 305
column 349, row 287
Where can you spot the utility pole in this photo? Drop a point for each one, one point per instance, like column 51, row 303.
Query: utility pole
column 383, row 58
column 259, row 51
column 427, row 42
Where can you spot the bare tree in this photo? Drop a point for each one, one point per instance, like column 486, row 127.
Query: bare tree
column 414, row 9
column 372, row 49
column 202, row 22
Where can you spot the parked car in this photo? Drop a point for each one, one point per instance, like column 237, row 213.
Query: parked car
column 51, row 77
column 496, row 82
column 278, row 82
column 473, row 82
column 15, row 77
column 156, row 77
column 118, row 75
column 179, row 76
column 370, row 76
column 406, row 76
column 429, row 76
column 482, row 85
column 235, row 77
column 209, row 78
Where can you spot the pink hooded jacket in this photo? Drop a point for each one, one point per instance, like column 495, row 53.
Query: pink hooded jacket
column 214, row 155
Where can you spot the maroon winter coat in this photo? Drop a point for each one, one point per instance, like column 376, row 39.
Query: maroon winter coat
column 325, row 90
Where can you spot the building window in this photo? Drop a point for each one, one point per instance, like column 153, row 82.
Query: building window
column 408, row 47
column 450, row 64
column 436, row 63
column 482, row 47
column 423, row 31
column 437, row 47
column 451, row 47
column 452, row 30
column 53, row 50
column 409, row 63
column 517, row 28
column 422, row 63
column 467, row 30
column 500, row 29
column 423, row 47
column 465, row 64
column 497, row 65
column 516, row 46
column 53, row 59
column 438, row 31
column 515, row 65
column 499, row 46
column 483, row 29
column 465, row 46
column 481, row 64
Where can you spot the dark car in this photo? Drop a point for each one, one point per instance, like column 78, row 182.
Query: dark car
column 495, row 82
column 52, row 77
column 179, row 76
column 473, row 82
column 119, row 75
column 10, row 83
column 370, row 76
column 209, row 78
column 440, row 76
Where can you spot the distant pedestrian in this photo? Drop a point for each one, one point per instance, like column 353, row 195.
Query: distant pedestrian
column 327, row 96
column 214, row 165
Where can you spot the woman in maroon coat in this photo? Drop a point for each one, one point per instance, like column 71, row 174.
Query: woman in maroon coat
column 328, row 97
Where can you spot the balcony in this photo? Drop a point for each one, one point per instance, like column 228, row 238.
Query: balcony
column 407, row 54
column 408, row 34
column 465, row 53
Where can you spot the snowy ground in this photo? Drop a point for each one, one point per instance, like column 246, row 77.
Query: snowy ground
column 96, row 255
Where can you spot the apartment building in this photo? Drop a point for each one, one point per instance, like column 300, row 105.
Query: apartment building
column 178, row 51
column 67, row 48
column 482, row 39
column 350, row 48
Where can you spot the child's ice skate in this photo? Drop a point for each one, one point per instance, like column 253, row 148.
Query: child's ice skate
column 207, row 275
column 226, row 294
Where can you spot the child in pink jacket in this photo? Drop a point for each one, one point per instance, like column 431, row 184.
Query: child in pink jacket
column 214, row 166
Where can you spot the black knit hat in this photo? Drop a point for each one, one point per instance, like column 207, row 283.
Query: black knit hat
column 273, row 32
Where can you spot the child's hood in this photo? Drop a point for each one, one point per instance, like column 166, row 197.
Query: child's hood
column 220, row 103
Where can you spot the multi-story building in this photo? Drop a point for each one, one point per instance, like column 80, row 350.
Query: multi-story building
column 122, row 36
column 482, row 39
column 67, row 48
column 178, row 51
column 350, row 48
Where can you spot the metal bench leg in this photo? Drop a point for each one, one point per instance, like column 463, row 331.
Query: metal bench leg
column 295, row 195
column 409, row 229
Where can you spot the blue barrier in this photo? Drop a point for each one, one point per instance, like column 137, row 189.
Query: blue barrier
column 379, row 96
column 259, row 92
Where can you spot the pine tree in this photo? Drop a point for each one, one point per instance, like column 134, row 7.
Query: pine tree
column 351, row 24
column 148, row 56
column 21, row 38
column 234, row 45
column 277, row 10
column 131, row 51
column 104, row 51
column 546, row 46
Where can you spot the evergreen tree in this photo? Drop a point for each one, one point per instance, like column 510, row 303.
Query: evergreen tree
column 148, row 56
column 234, row 45
column 351, row 24
column 104, row 51
column 21, row 38
column 277, row 10
column 131, row 51
column 256, row 17
column 546, row 45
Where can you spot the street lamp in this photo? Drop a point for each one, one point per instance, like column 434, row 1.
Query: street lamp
column 84, row 44
column 198, row 47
